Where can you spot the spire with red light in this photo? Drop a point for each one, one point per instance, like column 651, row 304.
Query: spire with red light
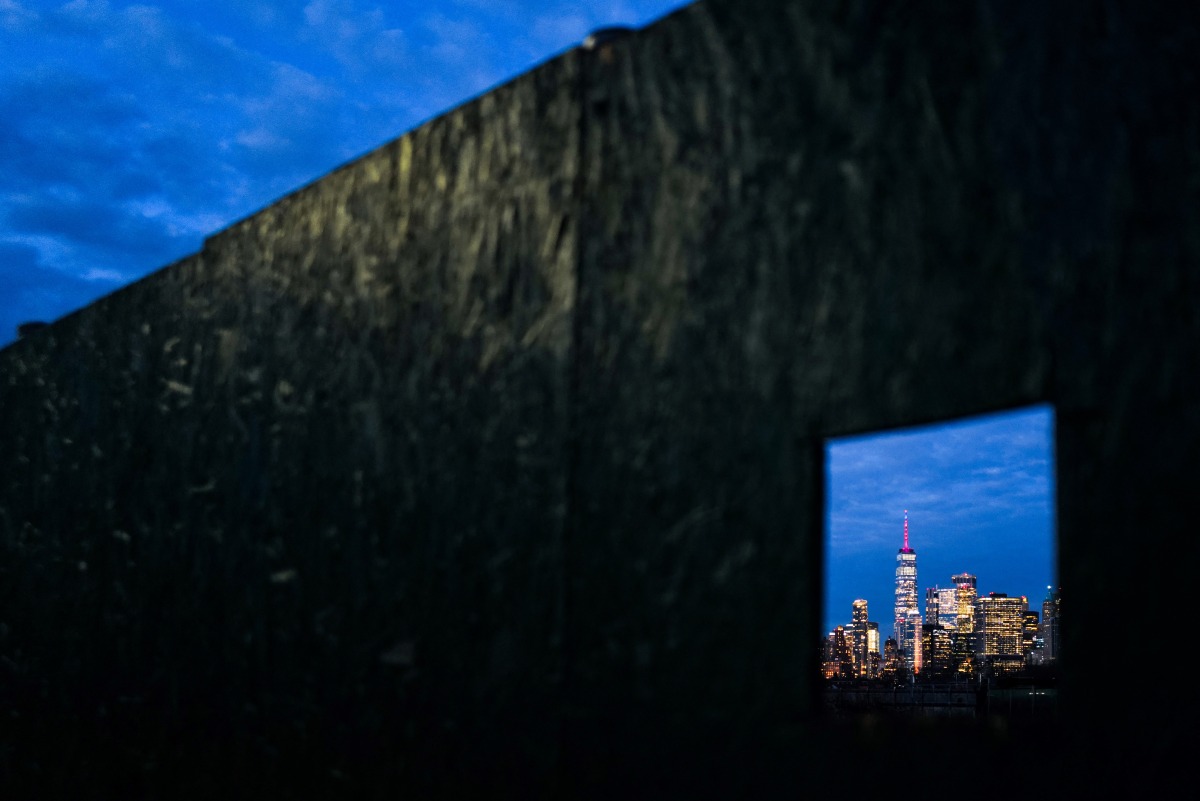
column 906, row 549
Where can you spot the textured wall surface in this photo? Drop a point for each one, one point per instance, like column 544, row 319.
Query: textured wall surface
column 492, row 460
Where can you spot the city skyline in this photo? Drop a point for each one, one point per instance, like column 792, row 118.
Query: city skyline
column 979, row 493
column 133, row 131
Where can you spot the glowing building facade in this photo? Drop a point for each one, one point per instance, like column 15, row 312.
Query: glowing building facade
column 907, row 613
column 947, row 609
column 999, row 627
column 1049, row 625
column 965, row 594
column 858, row 632
column 874, row 658
column 936, row 654
column 838, row 661
column 912, row 631
column 933, row 603
column 1031, row 641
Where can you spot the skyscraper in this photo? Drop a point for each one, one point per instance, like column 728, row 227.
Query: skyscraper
column 1030, row 640
column 948, row 608
column 999, row 623
column 1050, row 637
column 912, row 629
column 907, row 613
column 965, row 593
column 874, row 660
column 933, row 601
column 837, row 661
column 965, row 596
column 936, row 655
column 858, row 629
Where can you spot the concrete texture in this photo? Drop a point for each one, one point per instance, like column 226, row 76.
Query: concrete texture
column 490, row 463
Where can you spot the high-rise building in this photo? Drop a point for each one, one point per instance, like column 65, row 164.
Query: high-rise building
column 963, row 641
column 1030, row 640
column 908, row 636
column 948, row 608
column 964, row 599
column 892, row 660
column 1049, row 626
column 936, row 657
column 912, row 631
column 838, row 663
column 999, row 630
column 874, row 659
column 933, row 605
column 858, row 633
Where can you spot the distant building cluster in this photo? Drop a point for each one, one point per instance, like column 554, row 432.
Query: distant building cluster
column 959, row 634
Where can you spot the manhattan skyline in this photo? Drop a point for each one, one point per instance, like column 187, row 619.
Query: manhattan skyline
column 979, row 493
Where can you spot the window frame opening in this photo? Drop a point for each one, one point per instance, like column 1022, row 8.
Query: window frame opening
column 968, row 497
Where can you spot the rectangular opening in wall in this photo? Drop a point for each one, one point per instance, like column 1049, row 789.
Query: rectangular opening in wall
column 941, row 594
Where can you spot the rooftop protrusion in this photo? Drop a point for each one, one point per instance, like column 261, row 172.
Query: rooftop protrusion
column 602, row 36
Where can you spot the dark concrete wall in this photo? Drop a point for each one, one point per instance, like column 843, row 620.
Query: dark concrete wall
column 493, row 460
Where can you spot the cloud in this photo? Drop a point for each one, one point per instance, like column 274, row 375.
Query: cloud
column 86, row 222
column 561, row 30
column 142, row 45
column 133, row 130
column 15, row 17
column 35, row 292
column 61, row 125
column 466, row 46
column 979, row 494
column 363, row 42
column 113, row 130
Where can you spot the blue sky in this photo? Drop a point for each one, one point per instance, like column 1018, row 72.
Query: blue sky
column 980, row 499
column 131, row 131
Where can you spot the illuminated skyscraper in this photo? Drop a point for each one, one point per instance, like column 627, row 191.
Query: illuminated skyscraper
column 1049, row 625
column 874, row 659
column 999, row 625
column 964, row 596
column 933, row 602
column 947, row 609
column 838, row 662
column 891, row 659
column 908, row 635
column 964, row 634
column 936, row 658
column 1030, row 640
column 912, row 630
column 858, row 632
column 941, row 607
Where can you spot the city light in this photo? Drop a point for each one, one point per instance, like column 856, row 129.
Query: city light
column 985, row 490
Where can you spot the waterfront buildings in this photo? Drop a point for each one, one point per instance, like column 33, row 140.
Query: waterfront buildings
column 992, row 635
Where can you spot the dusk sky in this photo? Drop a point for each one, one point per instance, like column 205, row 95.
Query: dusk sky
column 980, row 499
column 132, row 131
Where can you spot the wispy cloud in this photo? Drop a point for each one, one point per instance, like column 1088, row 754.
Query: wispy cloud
column 979, row 495
column 27, row 283
column 15, row 17
column 133, row 130
column 361, row 39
